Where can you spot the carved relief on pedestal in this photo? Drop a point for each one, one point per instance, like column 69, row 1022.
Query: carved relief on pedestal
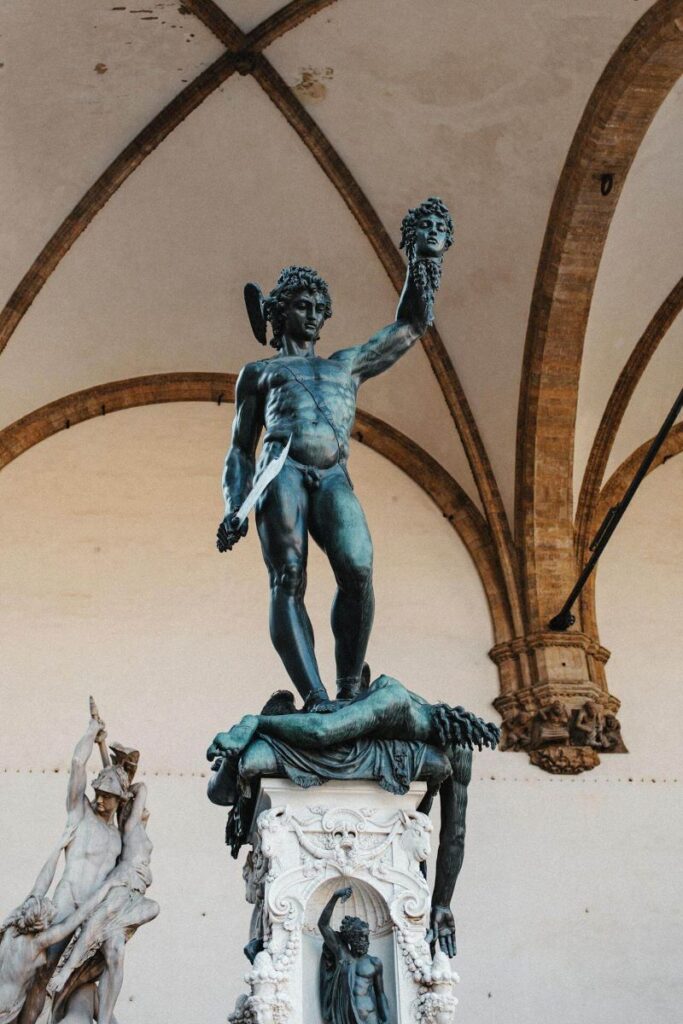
column 300, row 855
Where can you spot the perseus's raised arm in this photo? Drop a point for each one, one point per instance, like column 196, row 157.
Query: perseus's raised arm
column 426, row 233
column 246, row 429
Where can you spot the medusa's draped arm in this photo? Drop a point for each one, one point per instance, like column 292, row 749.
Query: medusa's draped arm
column 453, row 795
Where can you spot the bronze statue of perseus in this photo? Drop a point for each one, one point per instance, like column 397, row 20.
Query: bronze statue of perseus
column 306, row 404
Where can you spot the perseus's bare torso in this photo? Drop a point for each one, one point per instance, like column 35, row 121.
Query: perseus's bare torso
column 311, row 399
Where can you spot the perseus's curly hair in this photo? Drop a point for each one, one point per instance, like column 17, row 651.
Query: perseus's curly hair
column 292, row 280
column 461, row 728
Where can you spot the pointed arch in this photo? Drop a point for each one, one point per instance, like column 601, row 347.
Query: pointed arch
column 426, row 472
column 144, row 143
column 629, row 93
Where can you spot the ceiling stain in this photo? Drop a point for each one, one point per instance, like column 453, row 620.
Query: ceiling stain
column 311, row 85
column 101, row 68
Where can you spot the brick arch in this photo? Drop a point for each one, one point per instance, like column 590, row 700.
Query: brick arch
column 426, row 472
column 243, row 55
column 629, row 93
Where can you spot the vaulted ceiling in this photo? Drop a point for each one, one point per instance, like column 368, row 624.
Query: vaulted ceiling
column 160, row 154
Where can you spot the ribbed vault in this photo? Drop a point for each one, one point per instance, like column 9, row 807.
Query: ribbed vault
column 525, row 578
column 632, row 88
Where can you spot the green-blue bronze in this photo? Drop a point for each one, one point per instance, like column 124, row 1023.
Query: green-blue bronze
column 387, row 734
column 312, row 400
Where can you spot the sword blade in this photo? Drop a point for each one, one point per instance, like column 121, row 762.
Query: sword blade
column 268, row 474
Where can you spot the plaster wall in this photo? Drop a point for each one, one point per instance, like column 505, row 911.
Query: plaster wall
column 110, row 584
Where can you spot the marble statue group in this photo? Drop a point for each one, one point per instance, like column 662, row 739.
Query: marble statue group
column 61, row 956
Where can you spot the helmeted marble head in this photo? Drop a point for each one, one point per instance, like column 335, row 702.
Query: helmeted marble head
column 113, row 781
column 111, row 790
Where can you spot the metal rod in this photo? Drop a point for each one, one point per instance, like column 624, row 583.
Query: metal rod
column 564, row 618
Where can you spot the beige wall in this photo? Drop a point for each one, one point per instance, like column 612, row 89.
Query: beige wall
column 110, row 584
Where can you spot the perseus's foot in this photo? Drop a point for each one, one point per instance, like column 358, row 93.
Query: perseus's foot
column 318, row 702
column 325, row 706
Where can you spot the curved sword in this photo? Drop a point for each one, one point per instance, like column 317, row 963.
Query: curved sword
column 268, row 474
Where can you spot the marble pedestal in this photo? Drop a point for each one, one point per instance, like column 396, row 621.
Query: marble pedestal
column 307, row 843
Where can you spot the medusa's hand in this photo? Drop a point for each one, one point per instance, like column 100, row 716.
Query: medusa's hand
column 442, row 930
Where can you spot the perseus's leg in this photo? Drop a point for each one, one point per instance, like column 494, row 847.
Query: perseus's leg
column 281, row 519
column 338, row 525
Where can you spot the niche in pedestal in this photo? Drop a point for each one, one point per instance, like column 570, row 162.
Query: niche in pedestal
column 369, row 905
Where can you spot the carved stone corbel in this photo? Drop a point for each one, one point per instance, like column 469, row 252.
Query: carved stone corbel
column 566, row 718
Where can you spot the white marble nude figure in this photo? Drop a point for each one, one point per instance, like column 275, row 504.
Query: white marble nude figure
column 123, row 909
column 28, row 933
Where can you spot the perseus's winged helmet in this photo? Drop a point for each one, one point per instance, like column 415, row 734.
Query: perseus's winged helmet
column 264, row 308
column 254, row 300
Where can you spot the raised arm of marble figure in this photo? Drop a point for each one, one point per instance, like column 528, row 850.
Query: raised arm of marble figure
column 78, row 775
column 47, row 872
column 427, row 232
column 139, row 789
column 453, row 794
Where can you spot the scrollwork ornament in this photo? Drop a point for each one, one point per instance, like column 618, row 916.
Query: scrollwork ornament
column 267, row 1003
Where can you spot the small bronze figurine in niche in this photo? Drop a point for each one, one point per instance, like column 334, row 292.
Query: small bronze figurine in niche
column 351, row 980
